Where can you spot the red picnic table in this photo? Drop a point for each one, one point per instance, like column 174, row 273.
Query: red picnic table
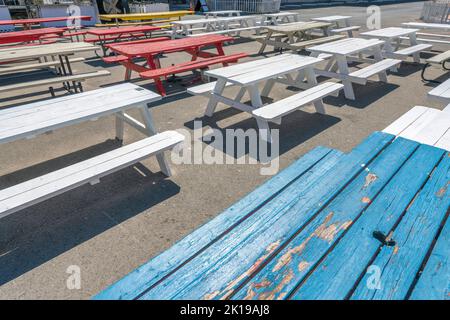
column 104, row 36
column 28, row 35
column 27, row 23
column 151, row 50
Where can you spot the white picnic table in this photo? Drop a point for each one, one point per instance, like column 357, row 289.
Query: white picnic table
column 442, row 93
column 393, row 35
column 28, row 121
column 439, row 38
column 293, row 32
column 52, row 52
column 424, row 125
column 340, row 22
column 216, row 14
column 289, row 69
column 281, row 17
column 187, row 27
column 424, row 25
column 343, row 52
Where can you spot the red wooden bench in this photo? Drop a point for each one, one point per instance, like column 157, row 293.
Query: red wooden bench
column 114, row 38
column 157, row 74
column 109, row 45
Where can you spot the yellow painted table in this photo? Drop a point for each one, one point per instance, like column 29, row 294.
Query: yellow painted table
column 117, row 18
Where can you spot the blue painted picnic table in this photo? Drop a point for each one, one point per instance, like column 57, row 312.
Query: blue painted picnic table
column 370, row 224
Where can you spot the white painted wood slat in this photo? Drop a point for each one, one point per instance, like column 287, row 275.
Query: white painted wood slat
column 292, row 103
column 39, row 189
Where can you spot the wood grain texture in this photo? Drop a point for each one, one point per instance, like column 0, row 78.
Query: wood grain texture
column 414, row 236
column 281, row 276
column 220, row 269
column 335, row 276
column 167, row 262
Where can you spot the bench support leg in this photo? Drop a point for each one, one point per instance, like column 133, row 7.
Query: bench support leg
column 119, row 128
column 268, row 87
column 264, row 130
column 312, row 81
column 148, row 120
column 240, row 95
column 378, row 56
column 212, row 103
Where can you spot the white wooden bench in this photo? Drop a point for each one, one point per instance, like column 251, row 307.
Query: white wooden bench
column 308, row 43
column 440, row 59
column 28, row 121
column 274, row 111
column 75, row 79
column 204, row 89
column 413, row 51
column 90, row 171
column 362, row 75
column 34, row 66
column 227, row 31
column 347, row 30
column 442, row 94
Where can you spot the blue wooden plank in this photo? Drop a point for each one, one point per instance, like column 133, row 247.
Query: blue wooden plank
column 434, row 282
column 156, row 269
column 216, row 272
column 399, row 265
column 280, row 277
column 336, row 275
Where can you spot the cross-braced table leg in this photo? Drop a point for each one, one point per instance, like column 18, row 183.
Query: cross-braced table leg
column 343, row 69
column 148, row 121
column 212, row 103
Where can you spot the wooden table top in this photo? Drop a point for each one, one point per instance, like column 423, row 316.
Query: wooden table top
column 176, row 45
column 298, row 26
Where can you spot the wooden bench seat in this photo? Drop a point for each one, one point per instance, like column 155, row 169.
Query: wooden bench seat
column 40, row 65
column 115, row 59
column 109, row 45
column 192, row 65
column 89, row 171
column 205, row 89
column 238, row 30
column 77, row 78
column 274, row 111
column 114, row 38
column 439, row 58
column 360, row 76
column 123, row 24
column 308, row 43
column 346, row 29
column 413, row 49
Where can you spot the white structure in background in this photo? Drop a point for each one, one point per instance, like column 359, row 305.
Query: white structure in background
column 148, row 7
column 436, row 11
column 252, row 6
column 61, row 8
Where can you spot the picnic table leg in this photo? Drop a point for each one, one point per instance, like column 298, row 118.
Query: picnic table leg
column 378, row 56
column 343, row 69
column 267, row 87
column 240, row 94
column 148, row 121
column 264, row 42
column 312, row 81
column 413, row 41
column 153, row 63
column 212, row 103
column 119, row 127
column 263, row 126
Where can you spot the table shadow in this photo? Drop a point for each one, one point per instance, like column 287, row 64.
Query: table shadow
column 35, row 235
